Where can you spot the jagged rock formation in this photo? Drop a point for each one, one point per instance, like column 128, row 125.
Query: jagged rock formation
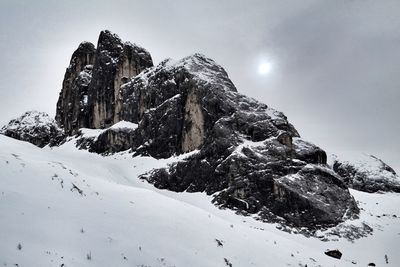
column 34, row 127
column 72, row 106
column 366, row 173
column 90, row 97
column 116, row 62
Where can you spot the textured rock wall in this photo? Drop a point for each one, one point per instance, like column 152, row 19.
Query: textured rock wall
column 112, row 141
column 91, row 92
column 134, row 60
column 193, row 128
column 72, row 110
column 116, row 62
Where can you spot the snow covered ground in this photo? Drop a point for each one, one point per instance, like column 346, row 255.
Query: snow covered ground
column 69, row 207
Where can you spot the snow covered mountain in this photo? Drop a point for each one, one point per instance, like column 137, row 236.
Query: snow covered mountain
column 245, row 152
column 140, row 157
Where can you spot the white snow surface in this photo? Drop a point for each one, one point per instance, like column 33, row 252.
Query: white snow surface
column 124, row 125
column 200, row 66
column 202, row 69
column 119, row 126
column 90, row 133
column 120, row 220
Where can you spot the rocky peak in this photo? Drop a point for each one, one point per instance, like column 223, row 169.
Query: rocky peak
column 72, row 109
column 203, row 70
column 83, row 55
column 116, row 62
column 90, row 97
column 109, row 43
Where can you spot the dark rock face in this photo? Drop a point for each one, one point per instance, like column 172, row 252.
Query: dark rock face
column 312, row 195
column 116, row 62
column 36, row 128
column 308, row 152
column 114, row 139
column 367, row 173
column 107, row 141
column 90, row 97
column 72, row 106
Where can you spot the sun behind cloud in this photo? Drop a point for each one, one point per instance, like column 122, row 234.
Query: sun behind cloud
column 265, row 68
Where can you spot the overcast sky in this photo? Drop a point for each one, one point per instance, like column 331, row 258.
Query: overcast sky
column 335, row 65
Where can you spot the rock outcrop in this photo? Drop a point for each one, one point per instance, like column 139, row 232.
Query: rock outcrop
column 366, row 173
column 90, row 97
column 34, row 127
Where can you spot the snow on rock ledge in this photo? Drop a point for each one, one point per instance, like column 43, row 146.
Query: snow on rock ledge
column 365, row 173
column 124, row 125
column 116, row 138
column 34, row 127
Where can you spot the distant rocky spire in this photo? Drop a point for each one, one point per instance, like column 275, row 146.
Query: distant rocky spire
column 90, row 96
column 116, row 62
column 72, row 112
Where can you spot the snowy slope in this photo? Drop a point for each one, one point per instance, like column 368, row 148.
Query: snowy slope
column 68, row 207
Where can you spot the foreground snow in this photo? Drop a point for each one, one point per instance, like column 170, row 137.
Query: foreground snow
column 65, row 206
